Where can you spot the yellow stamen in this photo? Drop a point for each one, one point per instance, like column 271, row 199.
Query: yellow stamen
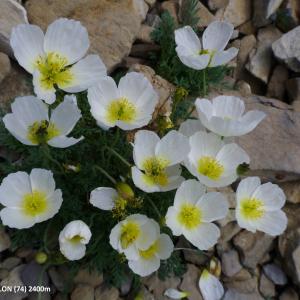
column 155, row 171
column 34, row 204
column 76, row 239
column 189, row 216
column 54, row 71
column 42, row 132
column 121, row 110
column 252, row 208
column 210, row 167
column 129, row 234
column 150, row 252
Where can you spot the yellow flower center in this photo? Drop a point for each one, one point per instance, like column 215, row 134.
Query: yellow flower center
column 205, row 274
column 189, row 216
column 54, row 70
column 210, row 167
column 121, row 110
column 252, row 208
column 34, row 204
column 76, row 239
column 129, row 234
column 41, row 132
column 155, row 171
column 150, row 252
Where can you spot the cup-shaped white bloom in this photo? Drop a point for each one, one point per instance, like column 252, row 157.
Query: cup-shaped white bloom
column 210, row 286
column 29, row 199
column 211, row 53
column 129, row 105
column 190, row 126
column 148, row 261
column 56, row 59
column 259, row 206
column 136, row 232
column 30, row 123
column 104, row 198
column 73, row 240
column 175, row 294
column 193, row 213
column 158, row 160
column 212, row 161
column 224, row 115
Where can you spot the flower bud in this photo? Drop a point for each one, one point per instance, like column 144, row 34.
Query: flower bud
column 41, row 257
column 124, row 190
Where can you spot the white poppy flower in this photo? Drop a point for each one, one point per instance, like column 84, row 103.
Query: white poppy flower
column 259, row 206
column 56, row 58
column 136, row 232
column 29, row 122
column 211, row 53
column 104, row 198
column 157, row 160
column 175, row 294
column 148, row 260
column 224, row 116
column 212, row 161
column 190, row 126
column 129, row 105
column 29, row 199
column 193, row 213
column 73, row 240
column 210, row 286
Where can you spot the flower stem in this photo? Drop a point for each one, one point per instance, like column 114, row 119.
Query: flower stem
column 204, row 82
column 106, row 174
column 46, row 151
column 155, row 207
column 120, row 157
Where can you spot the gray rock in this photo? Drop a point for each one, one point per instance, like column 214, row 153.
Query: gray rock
column 104, row 292
column 238, row 12
column 12, row 14
column 232, row 294
column 287, row 49
column 10, row 263
column 92, row 278
column 276, row 86
column 4, row 66
column 252, row 247
column 4, row 237
column 217, row 4
column 273, row 5
column 58, row 279
column 293, row 88
column 230, row 263
column 292, row 191
column 266, row 286
column 83, row 292
column 260, row 9
column 289, row 294
column 34, row 274
column 275, row 273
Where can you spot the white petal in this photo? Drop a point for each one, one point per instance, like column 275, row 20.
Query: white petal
column 144, row 267
column 213, row 206
column 273, row 223
column 190, row 126
column 204, row 144
column 272, row 196
column 14, row 218
column 190, row 191
column 72, row 251
column 231, row 156
column 145, row 142
column 175, row 294
column 210, row 286
column 223, row 57
column 174, row 147
column 114, row 236
column 195, row 61
column 87, row 72
column 138, row 178
column 251, row 119
column 217, row 35
column 150, row 233
column 204, row 236
column 13, row 187
column 165, row 246
column 229, row 178
column 230, row 107
column 68, row 38
column 173, row 183
column 27, row 42
column 73, row 228
column 187, row 38
column 247, row 187
column 66, row 115
column 248, row 224
column 46, row 94
column 104, row 198
column 204, row 108
column 171, row 221
column 63, row 141
column 42, row 180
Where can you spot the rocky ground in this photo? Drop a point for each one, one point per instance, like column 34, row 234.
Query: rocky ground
column 267, row 77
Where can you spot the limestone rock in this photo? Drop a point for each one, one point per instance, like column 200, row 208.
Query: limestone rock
column 104, row 292
column 230, row 263
column 91, row 278
column 252, row 247
column 275, row 273
column 238, row 12
column 190, row 282
column 4, row 239
column 260, row 9
column 289, row 294
column 273, row 5
column 266, row 286
column 83, row 292
column 287, row 49
column 4, row 66
column 232, row 294
column 145, row 34
column 217, row 4
column 172, row 7
column 293, row 88
column 12, row 14
column 112, row 25
column 260, row 60
column 276, row 86
column 10, row 263
column 292, row 191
